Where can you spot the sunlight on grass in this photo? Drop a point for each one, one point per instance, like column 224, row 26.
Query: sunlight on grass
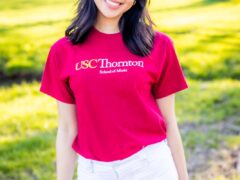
column 12, row 18
column 233, row 141
column 25, row 111
column 204, row 38
column 28, row 129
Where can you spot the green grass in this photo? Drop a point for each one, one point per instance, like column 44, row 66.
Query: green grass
column 37, row 24
column 233, row 141
column 207, row 38
column 20, row 158
column 28, row 130
column 209, row 102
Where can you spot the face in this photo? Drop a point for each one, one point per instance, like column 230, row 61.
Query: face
column 113, row 8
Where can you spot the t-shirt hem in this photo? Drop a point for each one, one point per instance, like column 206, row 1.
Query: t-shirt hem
column 167, row 93
column 74, row 147
column 49, row 93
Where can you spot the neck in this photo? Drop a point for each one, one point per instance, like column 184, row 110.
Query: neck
column 107, row 25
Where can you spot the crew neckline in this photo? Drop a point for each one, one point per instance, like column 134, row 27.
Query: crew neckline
column 105, row 34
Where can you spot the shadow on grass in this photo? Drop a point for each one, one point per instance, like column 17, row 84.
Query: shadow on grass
column 214, row 1
column 18, row 79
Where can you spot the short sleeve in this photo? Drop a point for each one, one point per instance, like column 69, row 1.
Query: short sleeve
column 51, row 82
column 171, row 78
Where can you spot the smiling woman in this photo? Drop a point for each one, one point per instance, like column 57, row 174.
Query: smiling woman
column 121, row 131
column 129, row 17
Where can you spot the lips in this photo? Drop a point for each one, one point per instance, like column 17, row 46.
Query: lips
column 113, row 4
column 116, row 1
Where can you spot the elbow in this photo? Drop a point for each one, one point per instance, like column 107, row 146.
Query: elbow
column 171, row 121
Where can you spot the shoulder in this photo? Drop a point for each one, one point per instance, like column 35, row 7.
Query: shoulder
column 62, row 43
column 162, row 38
column 163, row 42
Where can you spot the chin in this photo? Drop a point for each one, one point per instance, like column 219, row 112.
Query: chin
column 111, row 15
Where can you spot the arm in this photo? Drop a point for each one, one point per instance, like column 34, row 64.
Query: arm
column 66, row 132
column 167, row 107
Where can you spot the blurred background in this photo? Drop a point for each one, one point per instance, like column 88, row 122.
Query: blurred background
column 206, row 34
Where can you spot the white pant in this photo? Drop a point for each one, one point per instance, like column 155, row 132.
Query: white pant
column 153, row 162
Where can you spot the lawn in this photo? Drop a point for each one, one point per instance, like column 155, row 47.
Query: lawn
column 206, row 34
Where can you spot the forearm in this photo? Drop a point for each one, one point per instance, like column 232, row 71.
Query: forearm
column 66, row 156
column 176, row 146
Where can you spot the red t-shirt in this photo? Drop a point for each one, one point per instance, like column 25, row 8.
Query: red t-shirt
column 114, row 90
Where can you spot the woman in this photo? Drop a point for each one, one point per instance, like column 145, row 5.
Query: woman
column 114, row 79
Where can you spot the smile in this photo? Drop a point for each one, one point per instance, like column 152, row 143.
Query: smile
column 113, row 4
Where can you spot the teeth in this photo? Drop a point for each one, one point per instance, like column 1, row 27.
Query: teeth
column 112, row 3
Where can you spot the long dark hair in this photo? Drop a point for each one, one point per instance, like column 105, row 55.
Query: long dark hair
column 135, row 26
